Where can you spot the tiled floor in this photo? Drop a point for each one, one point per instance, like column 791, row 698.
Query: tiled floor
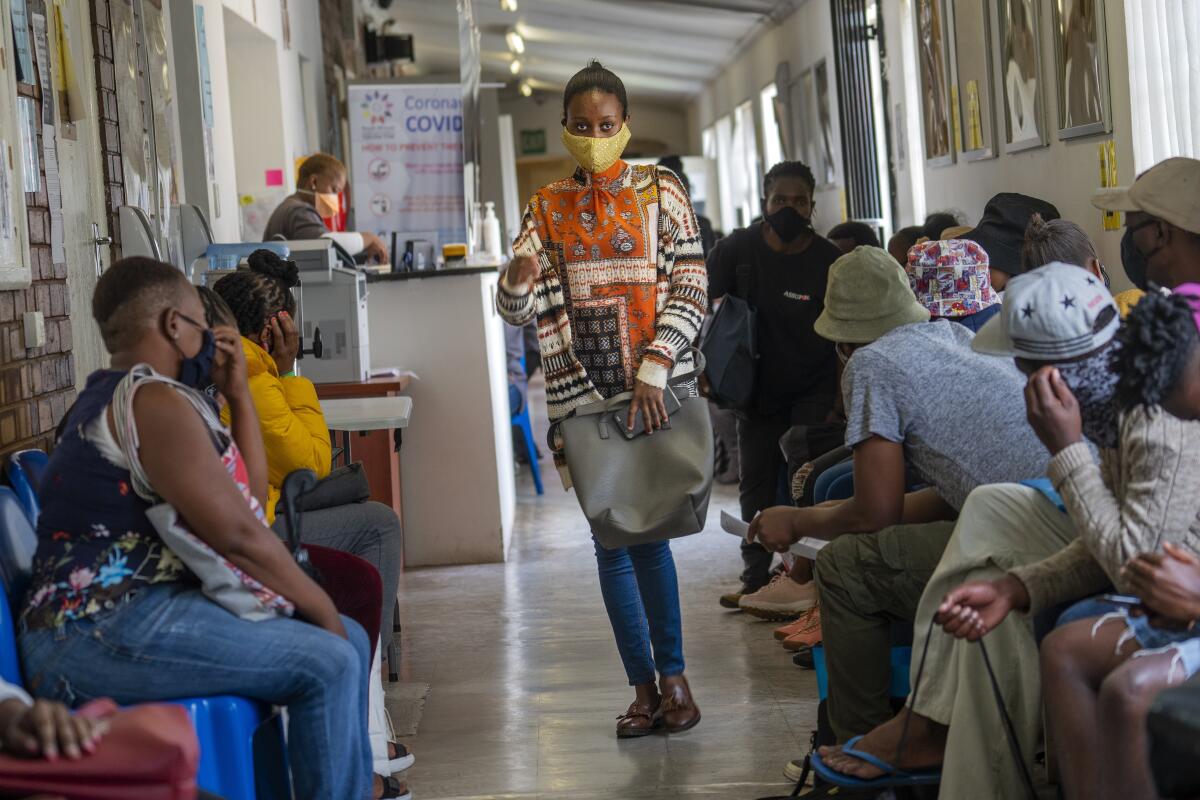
column 527, row 683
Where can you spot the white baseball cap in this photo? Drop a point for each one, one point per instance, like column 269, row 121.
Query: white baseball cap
column 1054, row 313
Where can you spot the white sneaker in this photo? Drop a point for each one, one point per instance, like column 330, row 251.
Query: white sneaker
column 793, row 771
column 781, row 599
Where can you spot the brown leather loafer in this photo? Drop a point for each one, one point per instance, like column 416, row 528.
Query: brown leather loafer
column 641, row 719
column 678, row 710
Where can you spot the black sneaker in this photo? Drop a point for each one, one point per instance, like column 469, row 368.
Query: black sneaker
column 804, row 658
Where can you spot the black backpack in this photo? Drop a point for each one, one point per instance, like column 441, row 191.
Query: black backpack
column 730, row 346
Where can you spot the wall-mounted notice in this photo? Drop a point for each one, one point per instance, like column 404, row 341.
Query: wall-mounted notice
column 406, row 153
column 20, row 23
column 27, row 120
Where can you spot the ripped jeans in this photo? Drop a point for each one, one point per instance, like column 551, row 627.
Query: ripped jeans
column 1184, row 646
column 170, row 641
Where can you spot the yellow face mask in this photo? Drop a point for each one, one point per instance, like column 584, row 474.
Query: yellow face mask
column 596, row 155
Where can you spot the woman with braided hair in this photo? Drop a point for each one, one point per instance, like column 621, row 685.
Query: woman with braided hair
column 296, row 437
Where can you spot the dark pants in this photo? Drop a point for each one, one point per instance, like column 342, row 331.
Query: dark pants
column 762, row 472
column 866, row 582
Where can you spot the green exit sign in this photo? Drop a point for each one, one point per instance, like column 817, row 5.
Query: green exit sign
column 533, row 143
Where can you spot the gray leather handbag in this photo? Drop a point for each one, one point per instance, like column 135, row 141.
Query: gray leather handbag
column 636, row 488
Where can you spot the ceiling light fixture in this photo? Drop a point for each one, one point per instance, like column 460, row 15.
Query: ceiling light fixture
column 508, row 5
column 515, row 42
column 526, row 89
column 514, row 66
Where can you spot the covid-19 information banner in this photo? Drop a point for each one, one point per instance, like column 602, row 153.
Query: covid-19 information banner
column 407, row 166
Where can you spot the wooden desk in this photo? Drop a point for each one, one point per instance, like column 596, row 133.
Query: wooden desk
column 375, row 449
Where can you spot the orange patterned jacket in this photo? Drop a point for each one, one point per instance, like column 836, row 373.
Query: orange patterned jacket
column 622, row 287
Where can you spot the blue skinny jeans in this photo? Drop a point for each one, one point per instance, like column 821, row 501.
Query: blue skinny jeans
column 170, row 641
column 641, row 595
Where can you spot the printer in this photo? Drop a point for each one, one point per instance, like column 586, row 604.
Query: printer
column 331, row 306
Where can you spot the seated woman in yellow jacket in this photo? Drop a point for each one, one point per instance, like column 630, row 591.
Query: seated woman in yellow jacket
column 260, row 304
column 293, row 426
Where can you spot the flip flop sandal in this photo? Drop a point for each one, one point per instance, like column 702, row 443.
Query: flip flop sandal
column 893, row 777
column 394, row 790
column 402, row 761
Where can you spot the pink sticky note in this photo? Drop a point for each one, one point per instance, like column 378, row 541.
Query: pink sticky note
column 274, row 177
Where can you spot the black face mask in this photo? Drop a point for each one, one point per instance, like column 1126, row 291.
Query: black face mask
column 788, row 223
column 1134, row 261
column 196, row 371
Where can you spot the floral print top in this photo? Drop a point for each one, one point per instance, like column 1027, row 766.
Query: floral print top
column 96, row 547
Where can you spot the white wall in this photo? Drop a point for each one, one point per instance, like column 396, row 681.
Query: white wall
column 223, row 194
column 1065, row 173
column 256, row 92
column 667, row 124
column 802, row 39
column 279, row 139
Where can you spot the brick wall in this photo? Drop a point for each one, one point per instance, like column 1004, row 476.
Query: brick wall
column 37, row 385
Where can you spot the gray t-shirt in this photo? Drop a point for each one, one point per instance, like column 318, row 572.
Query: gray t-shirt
column 959, row 414
column 294, row 219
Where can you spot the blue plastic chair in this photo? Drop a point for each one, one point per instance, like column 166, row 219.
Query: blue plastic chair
column 225, row 724
column 901, row 657
column 521, row 420
column 24, row 472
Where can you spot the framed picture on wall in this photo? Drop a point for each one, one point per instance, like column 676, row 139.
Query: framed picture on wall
column 932, row 46
column 806, row 121
column 1021, row 74
column 824, row 165
column 1081, row 67
column 969, row 21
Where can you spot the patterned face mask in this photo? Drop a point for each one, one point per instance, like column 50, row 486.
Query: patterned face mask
column 1093, row 381
column 596, row 155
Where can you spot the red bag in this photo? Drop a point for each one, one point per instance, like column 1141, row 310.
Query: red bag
column 149, row 753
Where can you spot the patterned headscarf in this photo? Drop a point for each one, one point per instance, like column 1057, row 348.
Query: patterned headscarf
column 951, row 278
column 1093, row 381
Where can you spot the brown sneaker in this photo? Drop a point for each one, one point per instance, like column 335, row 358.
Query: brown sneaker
column 641, row 719
column 678, row 710
column 730, row 600
column 807, row 635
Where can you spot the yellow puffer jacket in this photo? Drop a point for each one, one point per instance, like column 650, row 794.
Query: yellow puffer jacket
column 293, row 427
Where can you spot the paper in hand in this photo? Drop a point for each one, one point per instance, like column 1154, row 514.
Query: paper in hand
column 807, row 547
column 731, row 524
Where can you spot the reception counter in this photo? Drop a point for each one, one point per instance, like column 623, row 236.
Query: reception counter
column 458, row 490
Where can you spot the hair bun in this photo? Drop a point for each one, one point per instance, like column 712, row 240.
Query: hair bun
column 268, row 264
column 1038, row 230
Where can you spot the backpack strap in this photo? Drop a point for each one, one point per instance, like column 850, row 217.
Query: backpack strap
column 744, row 270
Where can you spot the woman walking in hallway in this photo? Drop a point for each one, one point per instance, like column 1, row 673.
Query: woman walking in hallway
column 609, row 261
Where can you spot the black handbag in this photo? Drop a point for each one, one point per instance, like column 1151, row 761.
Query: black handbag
column 344, row 485
column 730, row 345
